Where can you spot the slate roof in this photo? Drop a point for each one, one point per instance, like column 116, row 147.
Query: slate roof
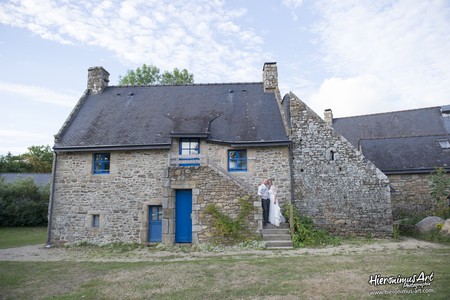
column 40, row 179
column 401, row 141
column 149, row 116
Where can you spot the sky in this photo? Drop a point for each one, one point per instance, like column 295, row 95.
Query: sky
column 355, row 57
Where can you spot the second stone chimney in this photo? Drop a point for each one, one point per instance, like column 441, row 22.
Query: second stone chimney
column 98, row 79
column 270, row 77
column 328, row 117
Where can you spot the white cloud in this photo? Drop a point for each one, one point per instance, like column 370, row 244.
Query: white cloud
column 40, row 94
column 293, row 3
column 385, row 50
column 350, row 96
column 168, row 34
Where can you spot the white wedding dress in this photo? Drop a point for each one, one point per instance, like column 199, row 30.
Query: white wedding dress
column 275, row 216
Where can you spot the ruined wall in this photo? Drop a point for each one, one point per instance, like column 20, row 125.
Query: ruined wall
column 341, row 190
column 120, row 198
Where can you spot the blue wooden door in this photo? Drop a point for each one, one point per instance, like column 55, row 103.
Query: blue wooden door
column 183, row 221
column 155, row 223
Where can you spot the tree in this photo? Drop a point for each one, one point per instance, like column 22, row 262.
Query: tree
column 177, row 77
column 13, row 164
column 150, row 74
column 440, row 188
column 38, row 159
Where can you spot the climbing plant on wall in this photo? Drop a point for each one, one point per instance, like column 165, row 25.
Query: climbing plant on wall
column 228, row 230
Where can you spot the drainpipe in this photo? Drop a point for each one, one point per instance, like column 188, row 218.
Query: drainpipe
column 291, row 171
column 50, row 205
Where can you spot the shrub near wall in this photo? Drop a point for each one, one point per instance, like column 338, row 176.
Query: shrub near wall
column 23, row 203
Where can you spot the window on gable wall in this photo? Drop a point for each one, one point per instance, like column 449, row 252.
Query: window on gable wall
column 237, row 160
column 102, row 163
column 95, row 220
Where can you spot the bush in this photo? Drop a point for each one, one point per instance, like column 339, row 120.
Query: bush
column 23, row 203
column 305, row 233
column 440, row 184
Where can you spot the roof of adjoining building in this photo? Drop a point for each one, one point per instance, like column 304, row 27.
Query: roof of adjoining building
column 39, row 178
column 149, row 116
column 402, row 141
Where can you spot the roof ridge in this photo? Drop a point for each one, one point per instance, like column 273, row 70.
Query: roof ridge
column 187, row 84
column 389, row 112
column 403, row 137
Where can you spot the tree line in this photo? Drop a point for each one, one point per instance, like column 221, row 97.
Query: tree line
column 38, row 159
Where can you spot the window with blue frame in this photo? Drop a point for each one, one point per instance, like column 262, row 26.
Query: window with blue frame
column 237, row 160
column 102, row 163
column 189, row 146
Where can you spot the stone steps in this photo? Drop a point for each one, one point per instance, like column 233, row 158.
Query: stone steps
column 277, row 237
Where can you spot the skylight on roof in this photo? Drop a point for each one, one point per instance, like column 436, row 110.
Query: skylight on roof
column 445, row 144
column 445, row 110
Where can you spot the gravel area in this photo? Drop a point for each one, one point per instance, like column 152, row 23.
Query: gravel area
column 79, row 254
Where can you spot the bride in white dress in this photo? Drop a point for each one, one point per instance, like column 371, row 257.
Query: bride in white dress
column 275, row 216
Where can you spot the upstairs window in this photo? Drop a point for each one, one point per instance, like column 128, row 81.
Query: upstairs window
column 237, row 160
column 102, row 163
column 190, row 147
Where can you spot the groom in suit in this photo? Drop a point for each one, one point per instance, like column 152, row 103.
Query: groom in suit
column 263, row 192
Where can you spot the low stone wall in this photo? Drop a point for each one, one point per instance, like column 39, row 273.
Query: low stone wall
column 412, row 195
column 334, row 184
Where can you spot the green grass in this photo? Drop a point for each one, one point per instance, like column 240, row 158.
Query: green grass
column 237, row 276
column 224, row 277
column 11, row 237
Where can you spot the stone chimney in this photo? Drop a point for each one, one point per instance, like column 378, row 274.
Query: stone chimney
column 98, row 79
column 270, row 77
column 328, row 117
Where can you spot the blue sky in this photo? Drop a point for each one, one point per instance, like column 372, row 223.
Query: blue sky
column 353, row 56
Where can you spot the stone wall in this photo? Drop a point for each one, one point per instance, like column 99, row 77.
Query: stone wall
column 334, row 184
column 120, row 198
column 411, row 195
column 263, row 162
column 208, row 186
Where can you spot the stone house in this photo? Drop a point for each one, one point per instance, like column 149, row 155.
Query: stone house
column 141, row 163
column 406, row 146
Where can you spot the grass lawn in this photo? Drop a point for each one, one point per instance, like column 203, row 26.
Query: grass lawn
column 249, row 275
column 304, row 276
column 11, row 237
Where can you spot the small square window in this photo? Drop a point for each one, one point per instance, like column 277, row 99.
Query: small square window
column 102, row 163
column 95, row 220
column 237, row 160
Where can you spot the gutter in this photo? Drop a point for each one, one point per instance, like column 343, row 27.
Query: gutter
column 252, row 143
column 50, row 204
column 412, row 171
column 112, row 148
